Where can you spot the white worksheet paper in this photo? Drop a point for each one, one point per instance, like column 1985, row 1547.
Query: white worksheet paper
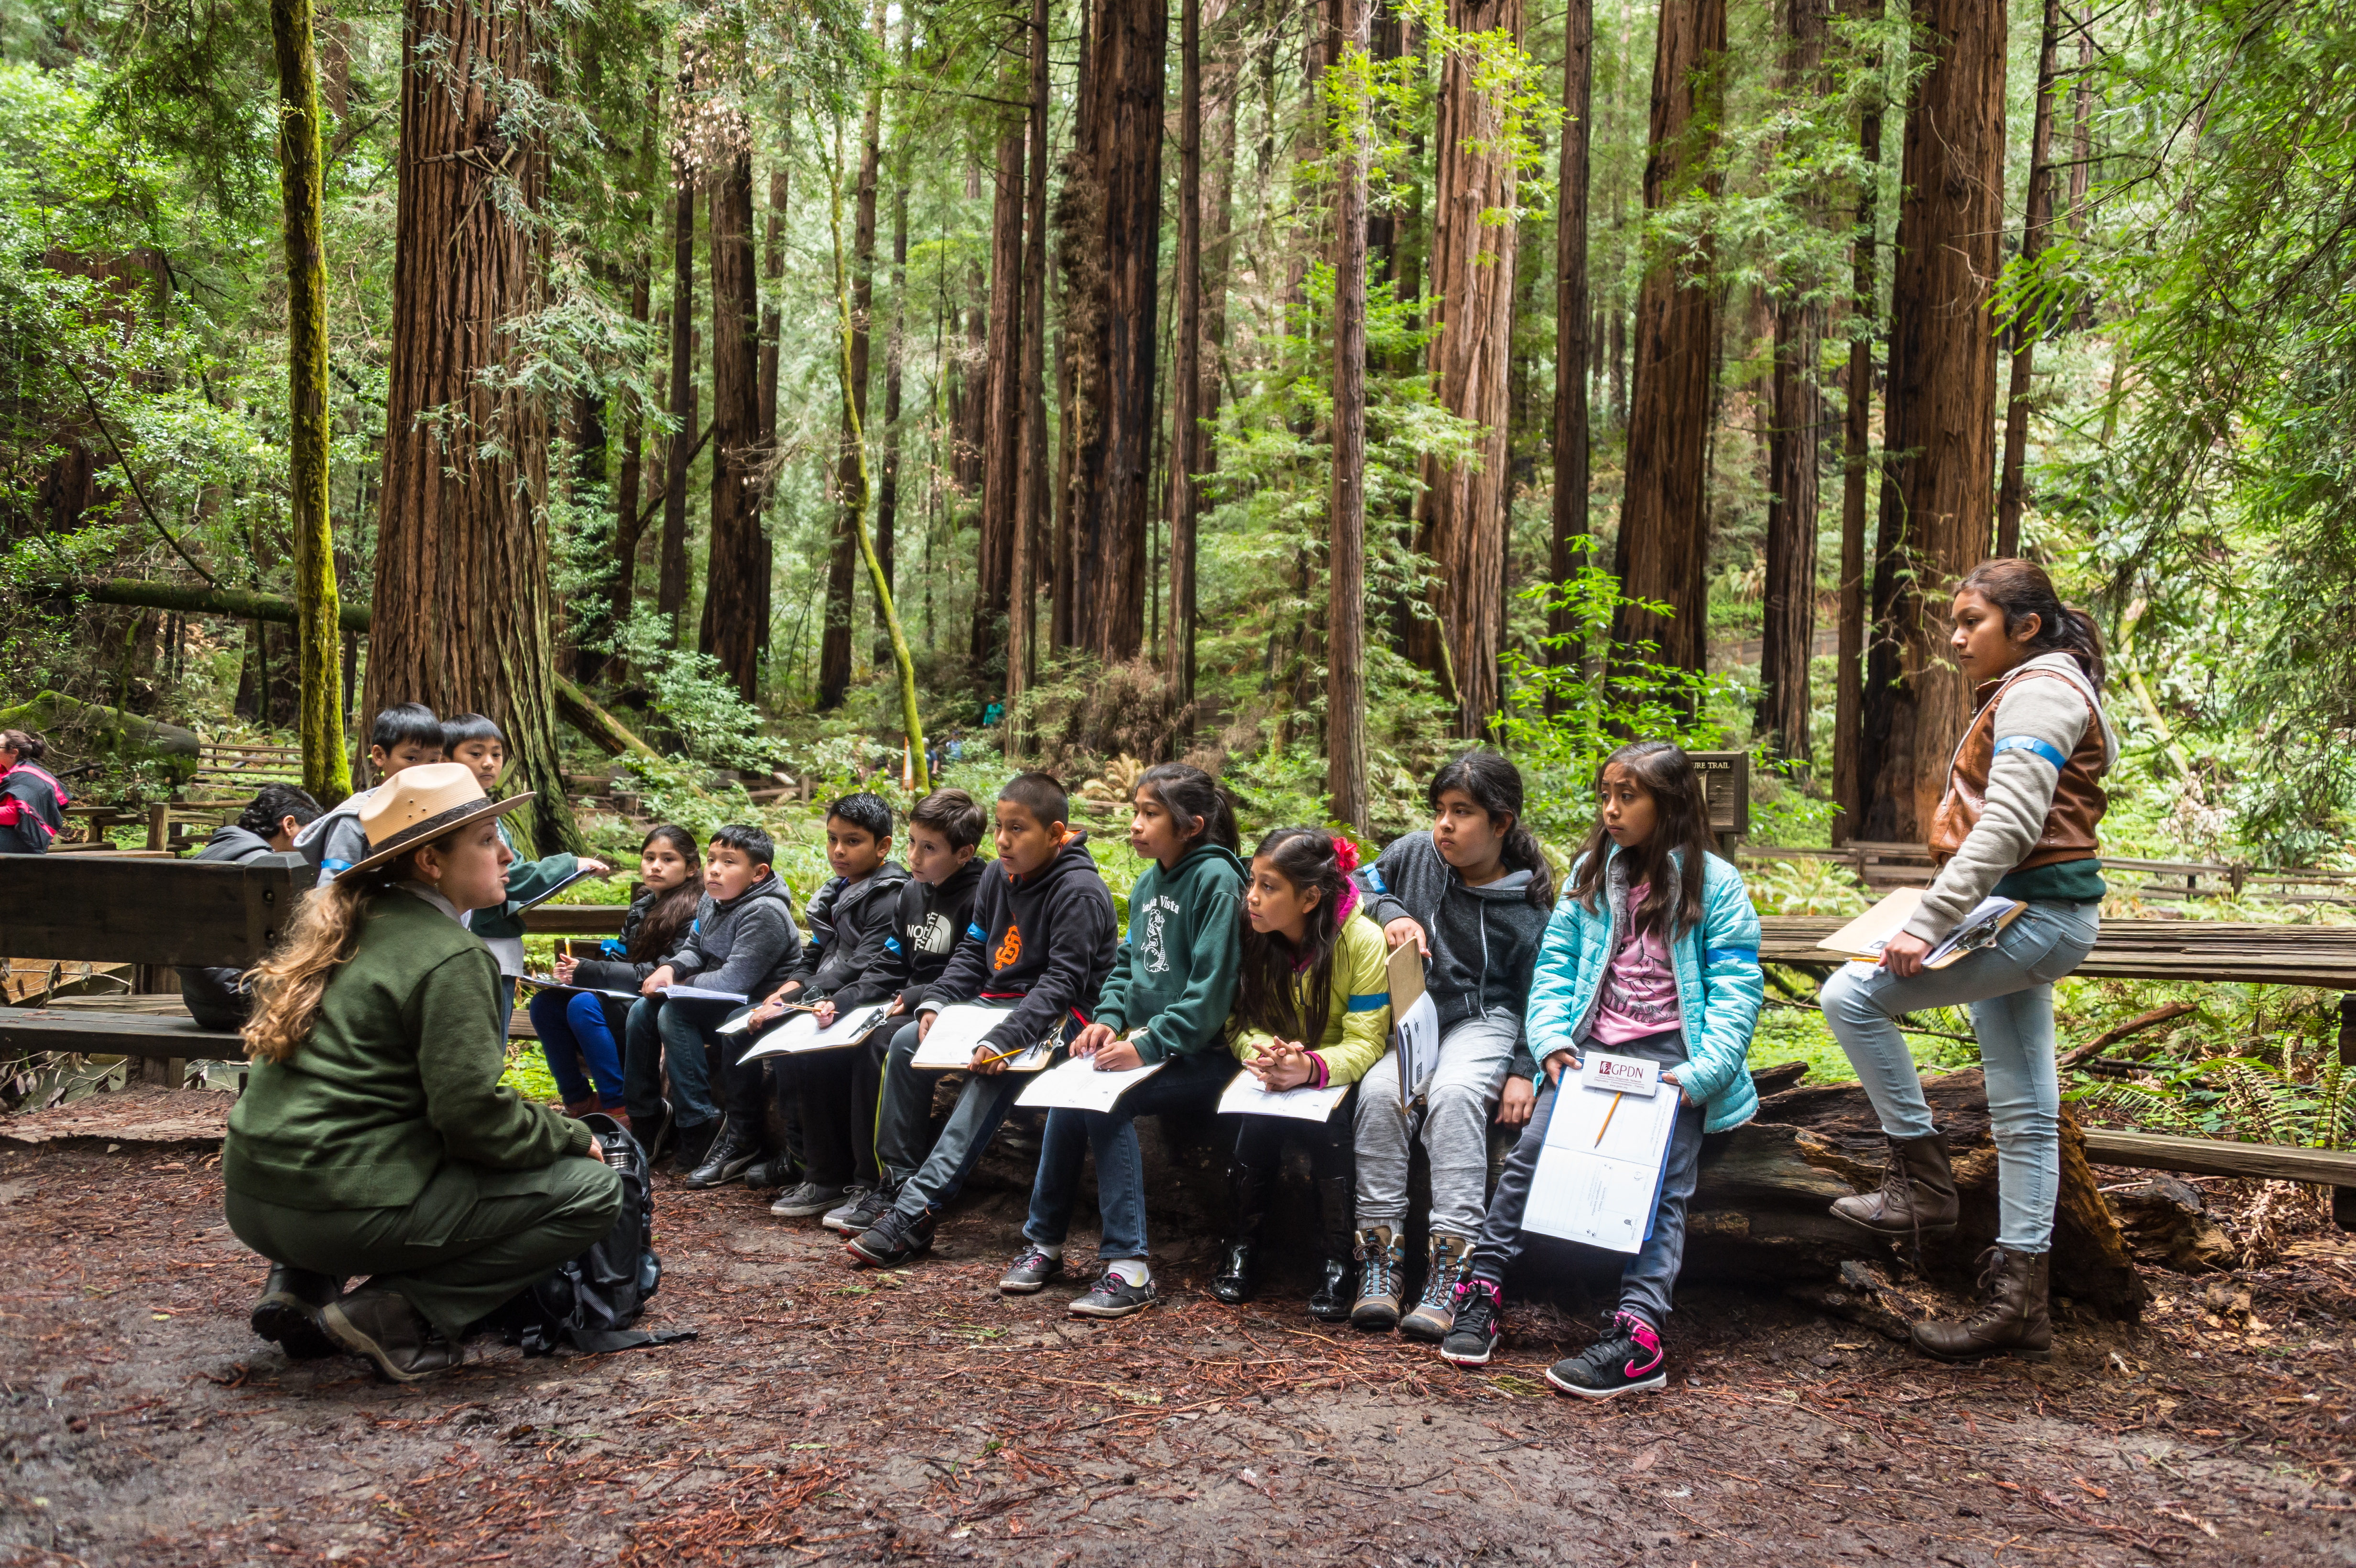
column 698, row 994
column 800, row 1032
column 1602, row 1193
column 948, row 1046
column 1418, row 1048
column 1247, row 1097
column 1076, row 1085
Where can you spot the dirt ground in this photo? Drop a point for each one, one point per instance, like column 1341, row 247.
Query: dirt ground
column 830, row 1416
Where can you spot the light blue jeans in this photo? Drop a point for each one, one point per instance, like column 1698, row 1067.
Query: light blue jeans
column 2009, row 987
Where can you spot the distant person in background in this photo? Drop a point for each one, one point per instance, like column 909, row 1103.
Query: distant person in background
column 216, row 997
column 32, row 804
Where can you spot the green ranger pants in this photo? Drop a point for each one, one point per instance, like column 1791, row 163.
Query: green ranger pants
column 471, row 1241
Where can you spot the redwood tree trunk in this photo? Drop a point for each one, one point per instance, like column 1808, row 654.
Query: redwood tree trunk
column 1110, row 216
column 1001, row 445
column 1345, row 601
column 1940, row 429
column 1849, row 727
column 671, row 585
column 1464, row 515
column 1663, row 525
column 460, row 615
column 1031, row 527
column 2036, row 223
column 1185, row 367
column 1570, row 325
column 738, row 562
column 1787, row 637
column 850, row 482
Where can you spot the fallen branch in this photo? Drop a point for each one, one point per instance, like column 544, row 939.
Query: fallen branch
column 2111, row 1036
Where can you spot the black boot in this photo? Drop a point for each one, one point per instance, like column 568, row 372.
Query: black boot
column 288, row 1311
column 1336, row 1278
column 731, row 1154
column 1247, row 1203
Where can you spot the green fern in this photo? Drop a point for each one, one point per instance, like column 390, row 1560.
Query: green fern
column 2244, row 1099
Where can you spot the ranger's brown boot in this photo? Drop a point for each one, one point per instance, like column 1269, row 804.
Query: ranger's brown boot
column 2011, row 1322
column 1917, row 1196
column 1382, row 1258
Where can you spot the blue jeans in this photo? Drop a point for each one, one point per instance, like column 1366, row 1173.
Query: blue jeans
column 981, row 1107
column 659, row 1027
column 2009, row 987
column 1190, row 1083
column 573, row 1029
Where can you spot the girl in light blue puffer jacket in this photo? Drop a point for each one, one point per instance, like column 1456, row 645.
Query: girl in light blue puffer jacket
column 1653, row 952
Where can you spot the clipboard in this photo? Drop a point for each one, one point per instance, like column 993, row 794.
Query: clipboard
column 1415, row 1030
column 1863, row 939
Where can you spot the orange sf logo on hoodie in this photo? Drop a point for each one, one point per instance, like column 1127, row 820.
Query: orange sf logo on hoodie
column 1009, row 950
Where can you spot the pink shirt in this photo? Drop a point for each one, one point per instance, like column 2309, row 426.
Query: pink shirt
column 1640, row 986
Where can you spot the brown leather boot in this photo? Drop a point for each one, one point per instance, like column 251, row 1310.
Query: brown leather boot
column 2011, row 1322
column 1382, row 1259
column 380, row 1326
column 576, row 1109
column 1917, row 1196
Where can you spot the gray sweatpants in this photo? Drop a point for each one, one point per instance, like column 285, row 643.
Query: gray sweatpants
column 1463, row 1091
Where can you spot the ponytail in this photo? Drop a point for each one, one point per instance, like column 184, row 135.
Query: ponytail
column 2019, row 589
column 1191, row 795
column 1494, row 785
column 28, row 747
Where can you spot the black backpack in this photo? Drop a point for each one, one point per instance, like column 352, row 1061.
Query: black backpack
column 591, row 1302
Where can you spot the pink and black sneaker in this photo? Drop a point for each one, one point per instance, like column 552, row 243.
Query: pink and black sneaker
column 1480, row 1319
column 1628, row 1360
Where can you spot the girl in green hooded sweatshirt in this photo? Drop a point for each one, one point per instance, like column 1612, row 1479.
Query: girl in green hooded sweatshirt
column 1166, row 1000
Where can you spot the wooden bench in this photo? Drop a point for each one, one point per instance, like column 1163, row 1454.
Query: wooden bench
column 1882, row 866
column 100, row 909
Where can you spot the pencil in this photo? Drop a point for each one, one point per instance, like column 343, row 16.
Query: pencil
column 1608, row 1111
column 1002, row 1056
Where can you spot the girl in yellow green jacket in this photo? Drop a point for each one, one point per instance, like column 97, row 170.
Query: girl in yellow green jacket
column 1313, row 1011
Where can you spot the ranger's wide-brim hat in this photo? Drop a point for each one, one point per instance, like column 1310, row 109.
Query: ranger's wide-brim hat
column 417, row 806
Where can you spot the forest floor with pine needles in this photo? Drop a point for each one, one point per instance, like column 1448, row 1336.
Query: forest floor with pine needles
column 828, row 1416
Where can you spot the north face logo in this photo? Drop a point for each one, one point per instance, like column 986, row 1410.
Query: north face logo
column 933, row 937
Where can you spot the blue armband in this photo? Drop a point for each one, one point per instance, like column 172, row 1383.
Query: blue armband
column 2034, row 747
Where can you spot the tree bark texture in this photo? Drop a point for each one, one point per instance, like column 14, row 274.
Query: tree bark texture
column 1032, row 530
column 461, row 607
column 629, row 523
column 887, row 488
column 670, row 578
column 1346, row 600
column 1788, row 632
column 851, row 465
column 1185, row 367
column 2037, row 224
column 1664, row 545
column 1848, row 688
column 738, row 558
column 1571, row 346
column 326, row 770
column 1001, row 446
column 1109, row 217
column 1940, row 428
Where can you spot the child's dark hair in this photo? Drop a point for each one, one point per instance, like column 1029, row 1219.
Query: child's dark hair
column 1494, row 785
column 1041, row 794
column 405, row 723
column 864, row 811
column 2019, row 589
column 1680, row 827
column 667, row 918
column 28, row 747
column 746, row 840
column 952, row 813
column 468, row 727
column 272, row 804
column 1268, row 984
column 1191, row 795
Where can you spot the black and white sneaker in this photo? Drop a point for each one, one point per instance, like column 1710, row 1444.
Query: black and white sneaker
column 1113, row 1297
column 1628, row 1360
column 1029, row 1274
column 1480, row 1320
column 861, row 1207
column 892, row 1240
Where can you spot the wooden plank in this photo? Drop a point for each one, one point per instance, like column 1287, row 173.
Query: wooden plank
column 101, row 1032
column 121, row 910
column 575, row 919
column 2212, row 1157
column 2246, row 952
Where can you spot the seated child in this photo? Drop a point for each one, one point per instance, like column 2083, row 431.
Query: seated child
column 1653, row 953
column 578, row 1027
column 1473, row 895
column 743, row 940
column 216, row 997
column 1166, row 1001
column 851, row 959
column 1042, row 935
column 406, row 735
column 1311, row 970
column 934, row 907
column 476, row 742
column 32, row 802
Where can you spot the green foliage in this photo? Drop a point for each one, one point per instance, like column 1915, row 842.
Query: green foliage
column 2242, row 1098
column 691, row 693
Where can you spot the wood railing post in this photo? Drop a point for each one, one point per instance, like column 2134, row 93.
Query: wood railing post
column 2343, row 1198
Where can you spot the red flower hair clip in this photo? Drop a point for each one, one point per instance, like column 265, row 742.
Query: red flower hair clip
column 1345, row 854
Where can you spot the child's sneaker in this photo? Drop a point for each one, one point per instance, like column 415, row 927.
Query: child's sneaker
column 1029, row 1274
column 810, row 1198
column 1628, row 1360
column 894, row 1240
column 1113, row 1297
column 1480, row 1319
column 858, row 1216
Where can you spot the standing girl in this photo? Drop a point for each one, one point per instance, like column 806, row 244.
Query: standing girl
column 1166, row 1000
column 32, row 804
column 1473, row 895
column 2017, row 821
column 1655, row 953
column 577, row 1026
column 1312, row 972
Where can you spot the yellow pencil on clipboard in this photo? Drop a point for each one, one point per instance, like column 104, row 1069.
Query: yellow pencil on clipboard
column 1609, row 1111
